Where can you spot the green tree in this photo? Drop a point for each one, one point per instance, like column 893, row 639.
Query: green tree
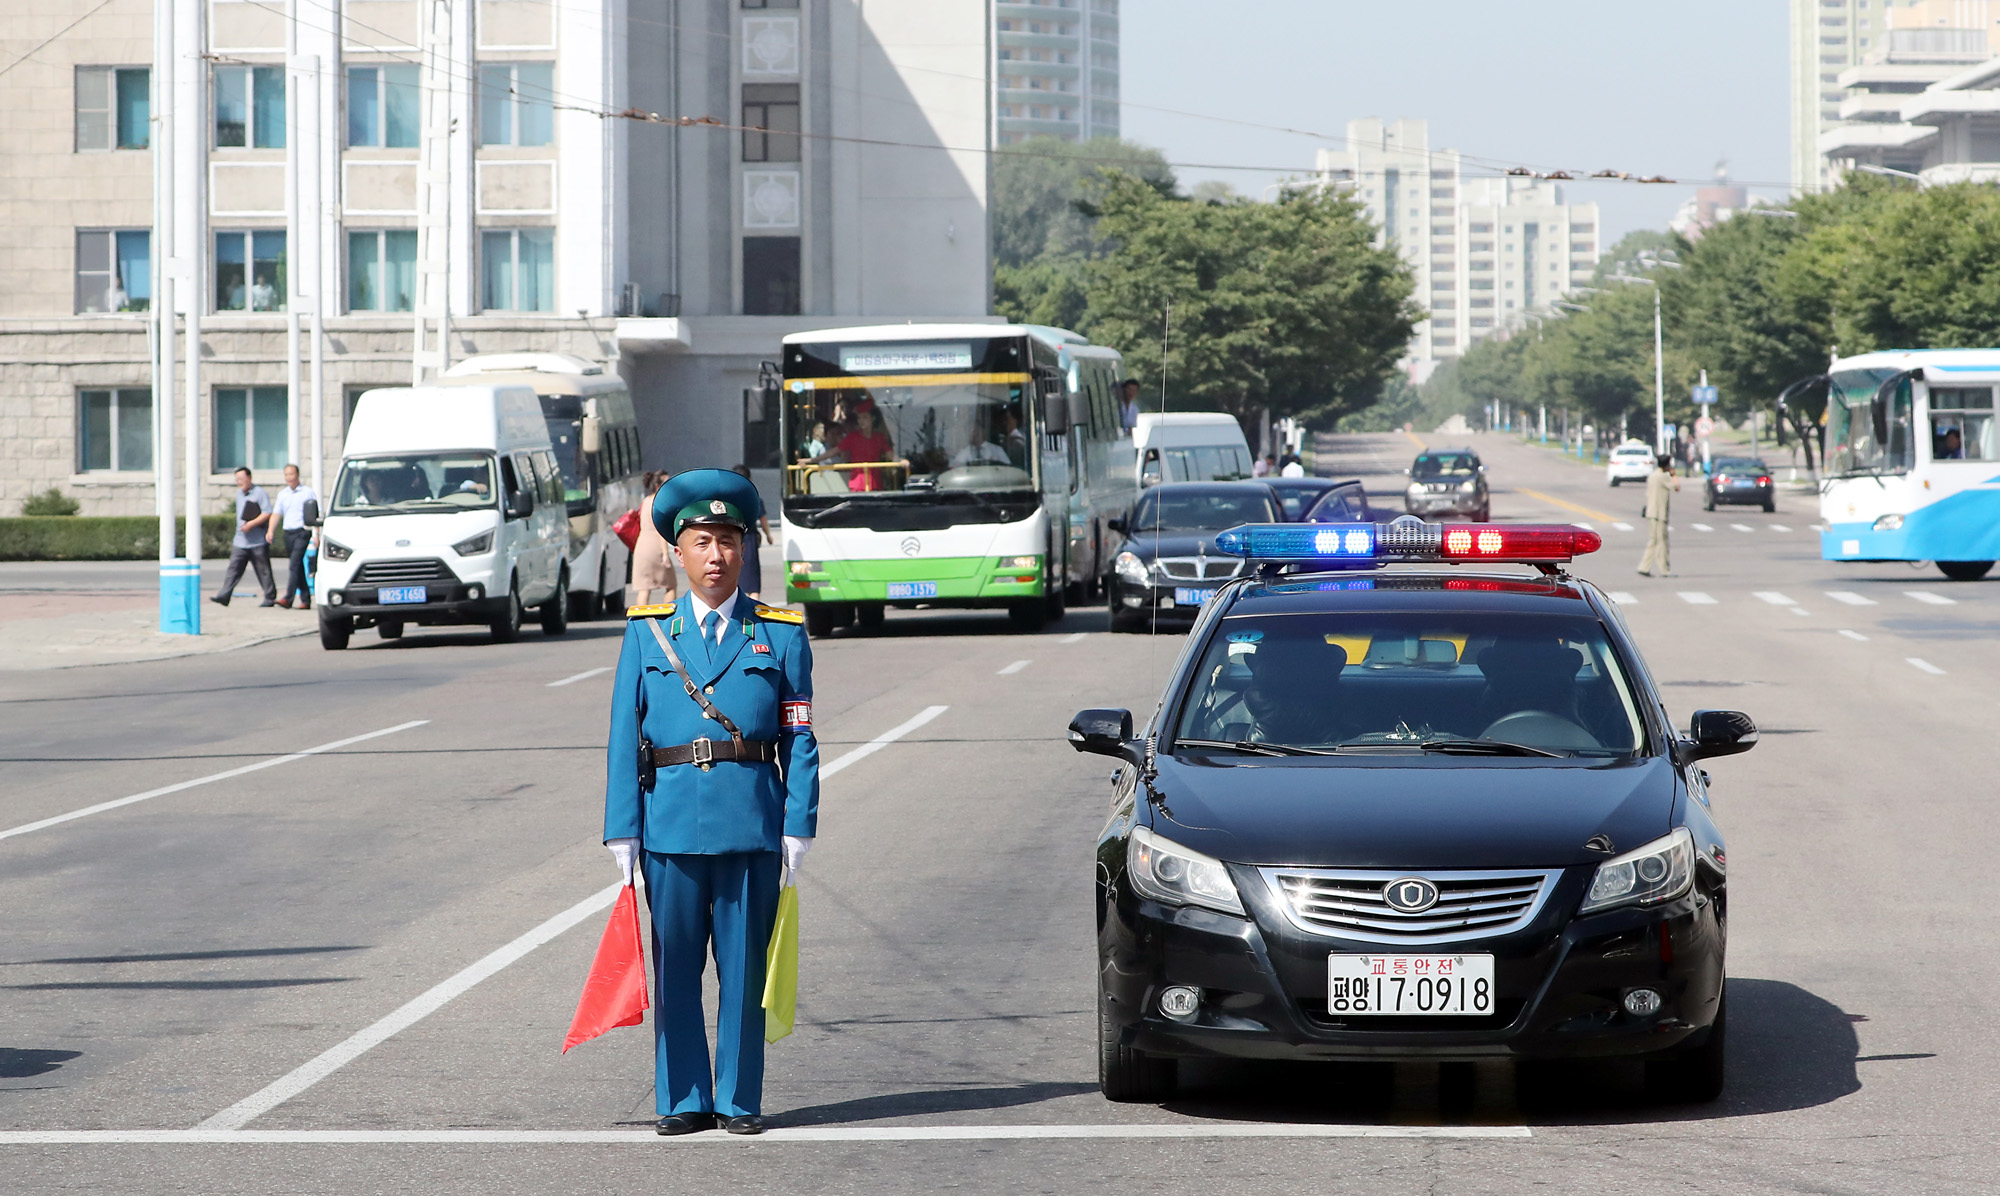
column 1051, row 289
column 1925, row 274
column 1044, row 189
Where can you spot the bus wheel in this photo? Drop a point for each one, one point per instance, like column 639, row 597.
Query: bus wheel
column 868, row 616
column 819, row 621
column 1029, row 614
column 1057, row 601
column 1964, row 570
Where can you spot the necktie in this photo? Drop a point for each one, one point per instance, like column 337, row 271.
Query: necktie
column 709, row 638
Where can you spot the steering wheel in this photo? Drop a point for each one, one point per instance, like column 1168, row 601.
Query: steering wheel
column 1542, row 729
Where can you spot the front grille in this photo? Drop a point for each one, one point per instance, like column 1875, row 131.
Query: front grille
column 1194, row 568
column 402, row 573
column 1354, row 905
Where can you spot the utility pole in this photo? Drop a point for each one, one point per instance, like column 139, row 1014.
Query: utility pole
column 180, row 583
column 190, row 171
column 431, row 349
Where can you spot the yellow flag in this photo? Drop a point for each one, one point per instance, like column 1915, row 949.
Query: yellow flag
column 781, row 968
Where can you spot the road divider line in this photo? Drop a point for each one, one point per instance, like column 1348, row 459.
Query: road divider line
column 854, row 755
column 1798, row 610
column 1779, row 527
column 1932, row 599
column 1701, row 527
column 163, row 790
column 1421, row 447
column 1925, row 666
column 1073, row 638
column 1011, row 669
column 585, row 675
column 1697, row 598
column 1553, row 501
column 1854, row 635
column 1849, row 597
column 776, row 1136
column 1623, row 527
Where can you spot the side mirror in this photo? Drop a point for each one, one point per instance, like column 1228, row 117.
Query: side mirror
column 520, row 505
column 593, row 434
column 1150, row 479
column 1101, row 732
column 1116, row 524
column 1718, row 733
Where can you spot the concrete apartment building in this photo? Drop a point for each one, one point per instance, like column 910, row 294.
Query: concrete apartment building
column 1922, row 100
column 1486, row 250
column 1055, row 69
column 676, row 255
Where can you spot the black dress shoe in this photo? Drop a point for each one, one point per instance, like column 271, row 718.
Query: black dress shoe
column 674, row 1124
column 218, row 599
column 749, row 1123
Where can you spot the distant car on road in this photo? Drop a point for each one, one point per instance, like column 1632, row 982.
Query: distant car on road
column 1168, row 565
column 1448, row 482
column 1742, row 481
column 1298, row 494
column 1343, row 502
column 1630, row 462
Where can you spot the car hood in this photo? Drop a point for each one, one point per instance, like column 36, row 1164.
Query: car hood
column 1412, row 812
column 1172, row 542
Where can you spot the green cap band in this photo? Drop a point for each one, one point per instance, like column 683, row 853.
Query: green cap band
column 710, row 511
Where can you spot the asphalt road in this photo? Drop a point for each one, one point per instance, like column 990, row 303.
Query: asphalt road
column 168, row 960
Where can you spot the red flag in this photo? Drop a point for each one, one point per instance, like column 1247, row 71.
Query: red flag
column 615, row 992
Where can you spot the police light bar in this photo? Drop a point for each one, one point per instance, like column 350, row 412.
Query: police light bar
column 1407, row 539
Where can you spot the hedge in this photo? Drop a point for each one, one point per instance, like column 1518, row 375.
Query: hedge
column 102, row 538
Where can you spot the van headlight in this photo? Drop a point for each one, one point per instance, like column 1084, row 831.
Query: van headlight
column 334, row 550
column 1167, row 872
column 1660, row 871
column 478, row 545
column 1129, row 567
column 1889, row 523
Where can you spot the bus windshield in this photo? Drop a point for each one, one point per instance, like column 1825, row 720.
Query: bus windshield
column 942, row 434
column 408, row 482
column 1862, row 435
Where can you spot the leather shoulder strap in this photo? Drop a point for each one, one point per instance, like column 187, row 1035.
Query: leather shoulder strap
column 687, row 683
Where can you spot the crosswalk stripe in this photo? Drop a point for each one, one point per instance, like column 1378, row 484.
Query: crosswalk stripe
column 1849, row 597
column 1933, row 599
column 1925, row 665
column 1743, row 527
column 1819, row 527
column 1702, row 527
column 1774, row 598
column 1623, row 599
column 1854, row 635
column 1623, row 527
column 1779, row 527
column 1696, row 598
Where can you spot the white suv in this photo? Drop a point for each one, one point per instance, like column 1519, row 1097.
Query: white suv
column 1630, row 462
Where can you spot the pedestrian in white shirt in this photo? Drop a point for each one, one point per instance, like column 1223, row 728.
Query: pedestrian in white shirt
column 1294, row 468
column 292, row 518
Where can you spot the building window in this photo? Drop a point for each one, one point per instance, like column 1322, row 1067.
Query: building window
column 250, row 107
column 770, row 3
column 517, row 268
column 770, row 276
column 382, row 270
column 114, row 429
column 382, row 105
column 114, row 270
column 251, row 427
column 250, row 270
column 516, row 103
column 773, row 107
column 1479, row 228
column 114, row 107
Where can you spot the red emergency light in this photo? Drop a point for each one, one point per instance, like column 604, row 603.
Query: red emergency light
column 1526, row 542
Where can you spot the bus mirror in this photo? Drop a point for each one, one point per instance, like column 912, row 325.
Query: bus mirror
column 593, row 434
column 1055, row 414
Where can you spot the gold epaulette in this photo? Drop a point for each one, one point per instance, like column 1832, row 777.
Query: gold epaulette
column 649, row 612
column 778, row 614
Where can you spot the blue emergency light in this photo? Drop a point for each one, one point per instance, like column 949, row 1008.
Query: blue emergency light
column 1406, row 539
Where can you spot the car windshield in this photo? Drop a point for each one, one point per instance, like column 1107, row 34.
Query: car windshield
column 413, row 481
column 1197, row 510
column 1738, row 465
column 1443, row 465
column 1297, row 499
column 1391, row 681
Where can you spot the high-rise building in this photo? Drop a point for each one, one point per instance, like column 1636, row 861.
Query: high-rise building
column 1486, row 251
column 1904, row 107
column 1055, row 69
column 319, row 164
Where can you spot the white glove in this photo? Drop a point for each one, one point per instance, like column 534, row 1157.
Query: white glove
column 624, row 852
column 795, row 849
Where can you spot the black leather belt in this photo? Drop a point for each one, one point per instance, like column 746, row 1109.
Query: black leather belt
column 716, row 751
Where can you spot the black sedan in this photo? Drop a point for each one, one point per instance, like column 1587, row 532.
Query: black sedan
column 1167, row 565
column 1743, row 481
column 1298, row 494
column 1343, row 502
column 1403, row 815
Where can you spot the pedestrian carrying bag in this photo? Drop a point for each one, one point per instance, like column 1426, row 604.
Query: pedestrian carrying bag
column 626, row 528
column 614, row 994
column 781, row 968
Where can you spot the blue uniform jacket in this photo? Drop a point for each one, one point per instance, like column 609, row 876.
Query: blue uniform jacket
column 762, row 680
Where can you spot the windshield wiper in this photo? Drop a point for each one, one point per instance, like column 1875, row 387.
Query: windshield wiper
column 1254, row 748
column 1484, row 747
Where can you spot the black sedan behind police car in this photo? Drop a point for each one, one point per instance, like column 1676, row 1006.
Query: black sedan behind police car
column 1410, row 814
column 1168, row 565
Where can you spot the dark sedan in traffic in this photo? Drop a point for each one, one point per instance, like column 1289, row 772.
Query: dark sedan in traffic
column 1167, row 565
column 1739, row 481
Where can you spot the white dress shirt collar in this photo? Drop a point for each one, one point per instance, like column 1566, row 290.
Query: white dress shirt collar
column 698, row 611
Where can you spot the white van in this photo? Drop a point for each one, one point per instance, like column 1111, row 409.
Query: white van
column 449, row 509
column 1190, row 446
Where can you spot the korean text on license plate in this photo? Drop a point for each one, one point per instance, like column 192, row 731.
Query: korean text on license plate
column 390, row 596
column 1189, row 596
column 912, row 589
column 1409, row 985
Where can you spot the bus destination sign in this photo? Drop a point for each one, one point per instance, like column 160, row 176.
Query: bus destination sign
column 875, row 359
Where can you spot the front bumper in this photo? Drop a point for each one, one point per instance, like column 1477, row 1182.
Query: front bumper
column 1165, row 597
column 1559, row 984
column 1450, row 503
column 449, row 604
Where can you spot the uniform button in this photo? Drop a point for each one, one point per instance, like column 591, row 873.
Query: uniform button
column 711, row 689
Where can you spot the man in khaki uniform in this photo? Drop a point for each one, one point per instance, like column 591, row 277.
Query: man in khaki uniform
column 1660, row 486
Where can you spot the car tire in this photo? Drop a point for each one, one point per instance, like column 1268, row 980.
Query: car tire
column 335, row 632
column 1614, row 483
column 819, row 621
column 1964, row 570
column 1128, row 1075
column 868, row 617
column 390, row 629
column 1770, row 506
column 1029, row 614
column 1485, row 514
column 555, row 612
column 1694, row 1076
column 507, row 627
column 1708, row 502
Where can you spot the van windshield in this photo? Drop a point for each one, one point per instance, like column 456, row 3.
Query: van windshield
column 414, row 482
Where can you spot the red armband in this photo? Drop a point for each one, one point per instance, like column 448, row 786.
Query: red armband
column 796, row 714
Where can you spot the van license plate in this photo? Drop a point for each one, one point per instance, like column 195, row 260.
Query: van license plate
column 389, row 597
column 1188, row 596
column 912, row 589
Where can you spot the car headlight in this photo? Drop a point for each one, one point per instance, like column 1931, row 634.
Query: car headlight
column 478, row 545
column 1660, row 871
column 1416, row 488
column 1170, row 873
column 334, row 550
column 1889, row 523
column 1131, row 568
column 1470, row 486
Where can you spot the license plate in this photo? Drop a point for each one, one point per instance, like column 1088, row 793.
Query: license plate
column 912, row 589
column 1188, row 596
column 1409, row 985
column 389, row 597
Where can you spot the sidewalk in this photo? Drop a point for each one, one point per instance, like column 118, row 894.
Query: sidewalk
column 62, row 614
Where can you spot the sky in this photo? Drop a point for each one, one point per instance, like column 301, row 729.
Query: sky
column 1581, row 85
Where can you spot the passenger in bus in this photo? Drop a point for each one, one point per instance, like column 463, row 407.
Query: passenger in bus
column 1012, row 439
column 815, row 443
column 1951, row 447
column 868, row 442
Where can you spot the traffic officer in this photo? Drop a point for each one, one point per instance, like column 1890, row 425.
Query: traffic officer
column 1661, row 485
column 712, row 788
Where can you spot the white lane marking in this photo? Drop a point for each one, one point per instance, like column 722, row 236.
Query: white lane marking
column 1849, row 597
column 1623, row 599
column 1933, row 599
column 1925, row 665
column 1701, row 527
column 585, row 675
column 651, row 1140
column 1774, row 598
column 1623, row 527
column 1819, row 527
column 284, row 1088
column 1011, row 669
column 1743, row 527
column 163, row 790
column 1779, row 527
column 1854, row 635
column 1585, row 526
column 1798, row 610
column 1076, row 638
column 1696, row 598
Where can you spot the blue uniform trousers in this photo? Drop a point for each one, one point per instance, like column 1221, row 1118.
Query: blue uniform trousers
column 732, row 898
